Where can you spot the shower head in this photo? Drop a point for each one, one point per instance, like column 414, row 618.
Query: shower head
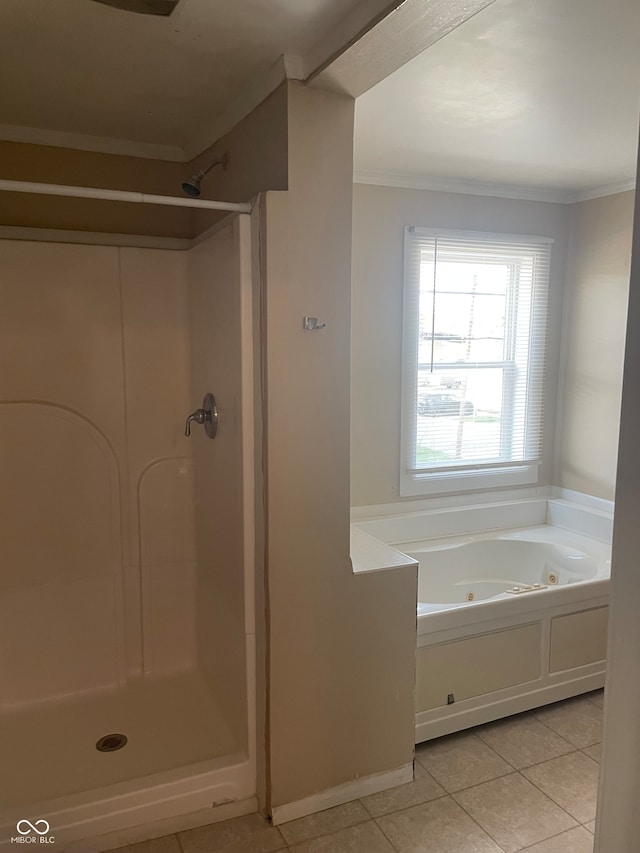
column 191, row 186
column 143, row 7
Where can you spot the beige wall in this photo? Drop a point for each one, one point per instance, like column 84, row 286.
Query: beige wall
column 597, row 289
column 618, row 820
column 44, row 164
column 258, row 150
column 96, row 489
column 341, row 648
column 379, row 218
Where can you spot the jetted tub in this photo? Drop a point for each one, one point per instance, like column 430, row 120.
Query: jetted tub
column 497, row 566
column 508, row 619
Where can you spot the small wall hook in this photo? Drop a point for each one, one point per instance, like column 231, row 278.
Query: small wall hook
column 312, row 324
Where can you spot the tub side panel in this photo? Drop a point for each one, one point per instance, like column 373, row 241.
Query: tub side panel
column 578, row 639
column 477, row 665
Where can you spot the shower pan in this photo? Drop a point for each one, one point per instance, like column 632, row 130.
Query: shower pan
column 127, row 683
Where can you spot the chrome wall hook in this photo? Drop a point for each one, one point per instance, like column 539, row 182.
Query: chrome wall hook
column 312, row 324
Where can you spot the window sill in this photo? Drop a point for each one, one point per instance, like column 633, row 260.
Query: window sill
column 412, row 485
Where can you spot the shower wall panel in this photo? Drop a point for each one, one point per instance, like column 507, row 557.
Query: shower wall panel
column 97, row 553
column 216, row 354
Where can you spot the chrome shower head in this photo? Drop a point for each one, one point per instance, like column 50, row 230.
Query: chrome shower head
column 191, row 186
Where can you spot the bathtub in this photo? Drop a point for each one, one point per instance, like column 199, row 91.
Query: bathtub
column 509, row 618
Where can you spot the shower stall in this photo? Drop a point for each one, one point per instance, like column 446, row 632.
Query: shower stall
column 127, row 638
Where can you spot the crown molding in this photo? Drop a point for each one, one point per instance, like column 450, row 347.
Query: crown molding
column 259, row 87
column 454, row 185
column 606, row 189
column 84, row 142
column 495, row 190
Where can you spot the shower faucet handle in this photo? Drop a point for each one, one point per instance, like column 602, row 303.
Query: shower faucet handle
column 198, row 416
column 207, row 415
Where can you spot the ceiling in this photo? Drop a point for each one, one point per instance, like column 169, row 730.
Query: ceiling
column 79, row 67
column 536, row 93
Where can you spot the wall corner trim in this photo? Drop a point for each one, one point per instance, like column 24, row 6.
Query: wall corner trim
column 342, row 794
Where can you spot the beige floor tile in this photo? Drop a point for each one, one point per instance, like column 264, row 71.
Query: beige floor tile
column 322, row 823
column 249, row 834
column 571, row 781
column 423, row 788
column 363, row 838
column 437, row 827
column 523, row 740
column 577, row 720
column 460, row 761
column 597, row 697
column 166, row 844
column 514, row 812
column 577, row 840
column 591, row 826
column 594, row 752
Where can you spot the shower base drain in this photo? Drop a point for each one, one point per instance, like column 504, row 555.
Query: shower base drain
column 110, row 743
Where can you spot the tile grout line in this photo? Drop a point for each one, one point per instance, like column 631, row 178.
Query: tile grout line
column 531, row 782
column 573, row 748
column 514, row 769
column 331, row 831
column 583, row 751
column 472, row 818
column 551, row 837
column 393, row 846
column 558, row 733
column 495, row 752
column 523, row 849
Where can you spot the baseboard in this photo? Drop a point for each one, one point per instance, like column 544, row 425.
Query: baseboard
column 342, row 794
column 487, row 712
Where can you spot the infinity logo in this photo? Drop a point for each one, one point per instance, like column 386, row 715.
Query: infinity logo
column 33, row 827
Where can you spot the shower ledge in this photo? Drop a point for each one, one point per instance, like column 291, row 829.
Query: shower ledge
column 371, row 555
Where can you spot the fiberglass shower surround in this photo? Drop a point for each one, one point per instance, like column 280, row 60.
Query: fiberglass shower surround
column 126, row 575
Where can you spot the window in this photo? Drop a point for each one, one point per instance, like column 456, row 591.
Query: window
column 473, row 359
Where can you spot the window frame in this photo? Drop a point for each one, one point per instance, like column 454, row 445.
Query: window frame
column 474, row 476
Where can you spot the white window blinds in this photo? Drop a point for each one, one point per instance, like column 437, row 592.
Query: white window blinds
column 473, row 359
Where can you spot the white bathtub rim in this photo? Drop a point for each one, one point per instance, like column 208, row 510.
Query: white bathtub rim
column 500, row 497
column 544, row 533
column 496, row 614
column 397, row 524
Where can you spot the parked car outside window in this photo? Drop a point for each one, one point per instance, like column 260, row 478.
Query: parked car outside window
column 442, row 405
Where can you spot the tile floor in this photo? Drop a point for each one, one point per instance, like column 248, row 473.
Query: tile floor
column 527, row 783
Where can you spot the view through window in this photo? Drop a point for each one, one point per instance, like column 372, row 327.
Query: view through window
column 475, row 329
